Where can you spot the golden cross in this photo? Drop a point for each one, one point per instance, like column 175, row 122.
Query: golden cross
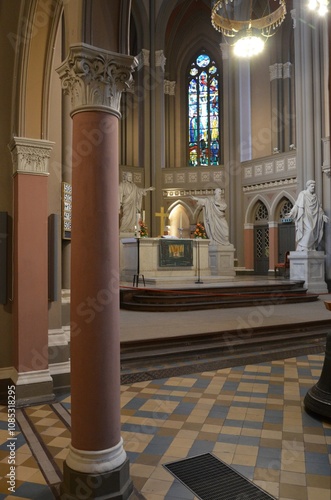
column 162, row 216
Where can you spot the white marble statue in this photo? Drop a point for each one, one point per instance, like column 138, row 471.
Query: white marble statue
column 130, row 201
column 309, row 219
column 216, row 226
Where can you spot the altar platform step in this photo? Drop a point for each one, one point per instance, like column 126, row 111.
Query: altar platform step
column 210, row 297
column 148, row 359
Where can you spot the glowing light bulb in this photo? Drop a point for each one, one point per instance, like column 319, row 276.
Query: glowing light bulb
column 248, row 46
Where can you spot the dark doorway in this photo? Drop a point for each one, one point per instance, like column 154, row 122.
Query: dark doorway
column 286, row 240
column 261, row 249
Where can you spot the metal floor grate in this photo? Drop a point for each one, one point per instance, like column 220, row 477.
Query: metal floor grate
column 211, row 479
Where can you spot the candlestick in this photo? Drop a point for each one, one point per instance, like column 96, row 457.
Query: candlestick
column 138, row 225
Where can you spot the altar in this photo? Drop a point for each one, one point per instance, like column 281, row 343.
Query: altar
column 163, row 258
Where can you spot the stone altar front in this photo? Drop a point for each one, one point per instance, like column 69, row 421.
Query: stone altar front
column 152, row 266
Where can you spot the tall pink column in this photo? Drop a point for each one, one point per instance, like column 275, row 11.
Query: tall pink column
column 97, row 465
column 30, row 270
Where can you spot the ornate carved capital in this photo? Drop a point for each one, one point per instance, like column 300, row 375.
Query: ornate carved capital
column 276, row 71
column 160, row 59
column 326, row 156
column 287, row 70
column 30, row 156
column 95, row 78
column 143, row 58
column 169, row 87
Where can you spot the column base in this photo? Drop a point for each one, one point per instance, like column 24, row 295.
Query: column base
column 113, row 485
column 35, row 387
column 318, row 398
column 318, row 402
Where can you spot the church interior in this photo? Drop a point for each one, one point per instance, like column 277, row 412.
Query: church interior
column 101, row 398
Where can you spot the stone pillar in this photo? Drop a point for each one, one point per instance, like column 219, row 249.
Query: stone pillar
column 170, row 118
column 96, row 466
column 310, row 74
column 273, row 245
column 288, row 110
column 143, row 91
column 158, row 61
column 276, row 75
column 249, row 246
column 30, row 291
column 234, row 150
column 244, row 82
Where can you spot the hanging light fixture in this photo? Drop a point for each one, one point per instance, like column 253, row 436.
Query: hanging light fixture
column 247, row 35
column 319, row 6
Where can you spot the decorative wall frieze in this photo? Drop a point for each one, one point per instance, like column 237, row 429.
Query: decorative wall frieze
column 176, row 176
column 177, row 192
column 280, row 165
column 30, row 156
column 169, row 87
column 95, row 78
column 275, row 167
column 271, row 184
column 160, row 59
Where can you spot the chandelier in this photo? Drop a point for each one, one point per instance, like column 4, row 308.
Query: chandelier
column 319, row 6
column 247, row 30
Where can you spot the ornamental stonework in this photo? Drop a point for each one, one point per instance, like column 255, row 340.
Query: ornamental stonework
column 143, row 58
column 30, row 156
column 160, row 59
column 276, row 71
column 169, row 87
column 95, row 78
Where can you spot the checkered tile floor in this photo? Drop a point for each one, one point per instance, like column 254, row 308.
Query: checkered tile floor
column 251, row 417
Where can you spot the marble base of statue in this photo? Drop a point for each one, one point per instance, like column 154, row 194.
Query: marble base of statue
column 221, row 260
column 318, row 398
column 309, row 266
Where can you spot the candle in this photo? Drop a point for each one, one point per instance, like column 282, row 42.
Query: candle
column 143, row 215
column 181, row 220
column 138, row 225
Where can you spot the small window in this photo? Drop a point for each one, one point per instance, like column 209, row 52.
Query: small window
column 285, row 209
column 261, row 213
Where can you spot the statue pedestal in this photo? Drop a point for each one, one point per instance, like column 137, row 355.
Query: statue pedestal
column 221, row 260
column 310, row 267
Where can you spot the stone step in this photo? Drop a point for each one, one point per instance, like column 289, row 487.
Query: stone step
column 155, row 300
column 155, row 358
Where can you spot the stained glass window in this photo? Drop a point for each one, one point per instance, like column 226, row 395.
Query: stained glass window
column 203, row 112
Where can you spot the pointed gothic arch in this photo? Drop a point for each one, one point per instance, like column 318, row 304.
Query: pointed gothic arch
column 280, row 198
column 250, row 210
